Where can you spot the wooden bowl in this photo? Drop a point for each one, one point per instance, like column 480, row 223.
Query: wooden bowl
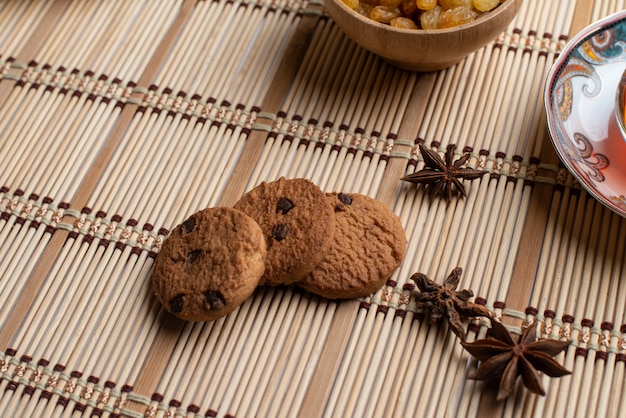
column 419, row 49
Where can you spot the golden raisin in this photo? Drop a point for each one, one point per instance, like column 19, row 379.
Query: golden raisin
column 384, row 14
column 427, row 14
column 425, row 4
column 393, row 4
column 457, row 16
column 431, row 19
column 365, row 9
column 403, row 22
column 485, row 5
column 408, row 8
column 451, row 4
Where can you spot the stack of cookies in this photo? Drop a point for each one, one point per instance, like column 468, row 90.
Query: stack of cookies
column 288, row 231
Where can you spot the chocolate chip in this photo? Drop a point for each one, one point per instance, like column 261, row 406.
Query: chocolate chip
column 176, row 304
column 279, row 232
column 344, row 198
column 339, row 208
column 214, row 300
column 189, row 225
column 284, row 205
column 193, row 256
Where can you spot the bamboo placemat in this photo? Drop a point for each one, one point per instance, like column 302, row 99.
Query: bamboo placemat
column 120, row 118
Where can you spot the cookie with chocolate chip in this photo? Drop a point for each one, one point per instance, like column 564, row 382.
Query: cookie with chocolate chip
column 298, row 223
column 210, row 264
column 368, row 247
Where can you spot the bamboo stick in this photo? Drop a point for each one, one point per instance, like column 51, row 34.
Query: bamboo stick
column 369, row 109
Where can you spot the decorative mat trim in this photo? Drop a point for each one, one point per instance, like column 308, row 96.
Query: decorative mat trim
column 290, row 127
column 55, row 381
column 37, row 376
column 392, row 297
column 585, row 333
column 100, row 225
column 33, row 207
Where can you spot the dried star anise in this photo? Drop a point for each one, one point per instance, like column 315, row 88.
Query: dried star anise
column 445, row 300
column 502, row 358
column 441, row 176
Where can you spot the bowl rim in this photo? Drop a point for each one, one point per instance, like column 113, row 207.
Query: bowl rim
column 466, row 26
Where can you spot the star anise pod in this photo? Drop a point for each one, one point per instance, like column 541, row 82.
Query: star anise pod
column 502, row 358
column 445, row 300
column 442, row 177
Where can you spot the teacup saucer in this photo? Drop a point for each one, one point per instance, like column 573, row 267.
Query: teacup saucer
column 580, row 106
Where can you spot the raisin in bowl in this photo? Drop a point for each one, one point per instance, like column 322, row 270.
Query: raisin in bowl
column 415, row 48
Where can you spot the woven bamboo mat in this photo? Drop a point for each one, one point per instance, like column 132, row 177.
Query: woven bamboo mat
column 120, row 118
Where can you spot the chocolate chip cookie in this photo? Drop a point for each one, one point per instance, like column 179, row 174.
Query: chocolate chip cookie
column 298, row 224
column 369, row 245
column 210, row 264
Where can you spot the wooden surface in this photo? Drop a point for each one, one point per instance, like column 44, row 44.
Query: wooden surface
column 119, row 119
